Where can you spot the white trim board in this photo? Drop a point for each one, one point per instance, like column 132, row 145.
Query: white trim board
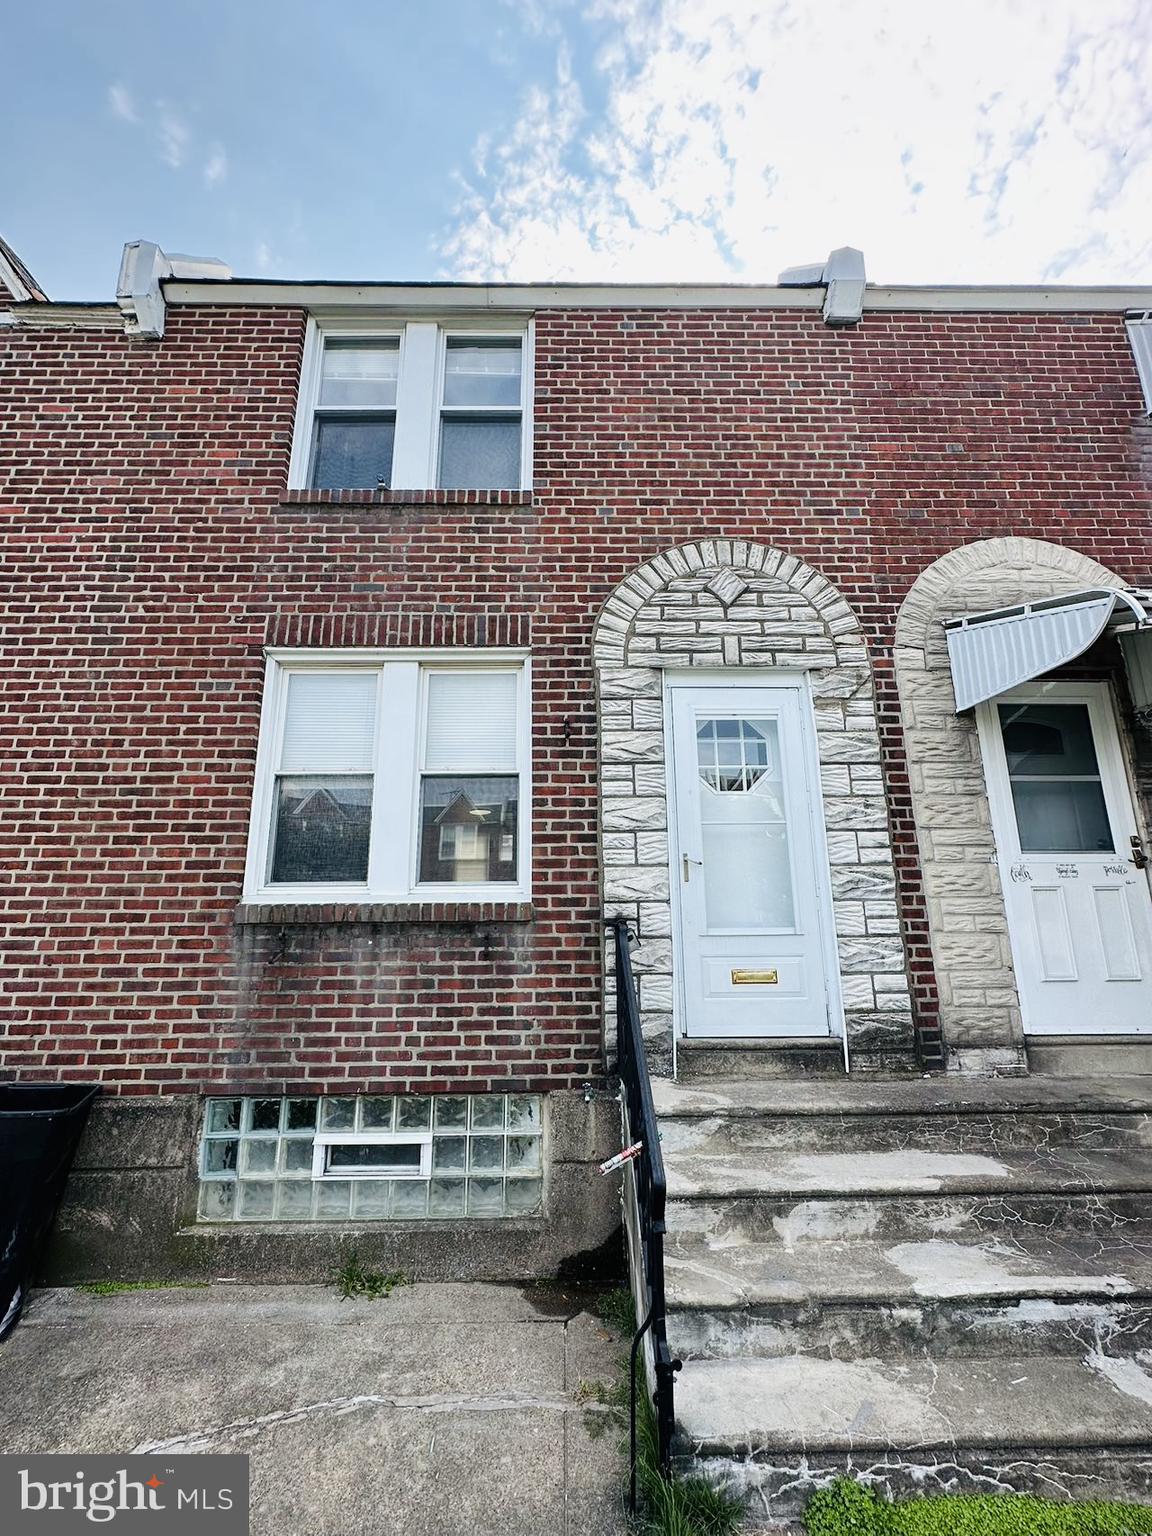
column 482, row 298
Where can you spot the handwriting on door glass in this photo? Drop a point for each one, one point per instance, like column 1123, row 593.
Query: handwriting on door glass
column 1020, row 873
column 1067, row 872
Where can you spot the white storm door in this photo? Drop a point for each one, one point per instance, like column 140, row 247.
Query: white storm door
column 1079, row 909
column 748, row 889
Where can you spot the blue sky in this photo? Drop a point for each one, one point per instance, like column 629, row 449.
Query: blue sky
column 1000, row 140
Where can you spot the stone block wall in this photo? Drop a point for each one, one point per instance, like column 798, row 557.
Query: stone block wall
column 731, row 603
column 979, row 1004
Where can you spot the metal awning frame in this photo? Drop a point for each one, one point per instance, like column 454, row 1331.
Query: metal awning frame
column 1002, row 648
column 1134, row 598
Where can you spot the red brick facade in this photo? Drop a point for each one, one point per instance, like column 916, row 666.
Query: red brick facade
column 151, row 551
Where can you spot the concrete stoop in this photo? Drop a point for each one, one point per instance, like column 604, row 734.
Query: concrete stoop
column 934, row 1285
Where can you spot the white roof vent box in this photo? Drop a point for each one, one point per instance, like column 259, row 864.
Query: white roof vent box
column 1140, row 335
column 143, row 267
column 842, row 275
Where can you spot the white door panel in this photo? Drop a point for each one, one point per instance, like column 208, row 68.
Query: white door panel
column 1079, row 909
column 750, row 896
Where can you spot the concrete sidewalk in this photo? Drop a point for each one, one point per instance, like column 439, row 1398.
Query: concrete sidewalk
column 440, row 1409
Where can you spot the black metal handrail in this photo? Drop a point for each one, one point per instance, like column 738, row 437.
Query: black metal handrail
column 651, row 1196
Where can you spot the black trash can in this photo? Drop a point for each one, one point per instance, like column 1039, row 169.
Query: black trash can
column 40, row 1129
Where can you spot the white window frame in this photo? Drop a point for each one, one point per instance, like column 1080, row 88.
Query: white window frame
column 397, row 762
column 419, row 391
column 326, row 1139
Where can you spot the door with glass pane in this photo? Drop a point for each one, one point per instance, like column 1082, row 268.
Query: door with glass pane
column 1079, row 904
column 750, row 891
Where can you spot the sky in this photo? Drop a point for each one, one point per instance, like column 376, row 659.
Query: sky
column 581, row 140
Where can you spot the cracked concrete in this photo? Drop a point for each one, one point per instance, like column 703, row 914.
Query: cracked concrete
column 929, row 1286
column 443, row 1408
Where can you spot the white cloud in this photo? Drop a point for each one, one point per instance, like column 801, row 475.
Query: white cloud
column 174, row 136
column 216, row 166
column 170, row 133
column 1001, row 140
column 120, row 100
column 264, row 258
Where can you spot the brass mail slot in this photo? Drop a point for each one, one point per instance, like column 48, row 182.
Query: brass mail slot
column 755, row 978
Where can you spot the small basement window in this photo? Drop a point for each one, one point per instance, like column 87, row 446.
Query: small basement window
column 380, row 1155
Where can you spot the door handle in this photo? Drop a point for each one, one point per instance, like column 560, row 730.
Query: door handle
column 1139, row 856
column 687, row 872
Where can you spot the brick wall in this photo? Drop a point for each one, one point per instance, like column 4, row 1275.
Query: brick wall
column 148, row 550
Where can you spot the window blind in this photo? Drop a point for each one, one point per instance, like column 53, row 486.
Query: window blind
column 471, row 722
column 360, row 375
column 330, row 723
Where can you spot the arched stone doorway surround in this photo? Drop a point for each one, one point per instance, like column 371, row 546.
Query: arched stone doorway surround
column 729, row 603
column 968, row 926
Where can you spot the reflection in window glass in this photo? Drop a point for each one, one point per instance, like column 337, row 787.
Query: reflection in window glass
column 320, row 829
column 359, row 375
column 732, row 755
column 468, row 829
column 1049, row 740
column 1055, row 778
column 1061, row 818
column 743, row 827
column 395, row 1156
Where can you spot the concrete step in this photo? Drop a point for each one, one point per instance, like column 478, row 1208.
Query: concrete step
column 893, row 1217
column 1058, row 1294
column 777, row 1428
column 1090, row 1055
column 768, row 1135
column 753, row 1060
column 926, row 1282
column 727, row 1159
column 746, row 1098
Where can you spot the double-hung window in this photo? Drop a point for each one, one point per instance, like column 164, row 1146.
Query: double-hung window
column 414, row 406
column 391, row 779
column 354, row 428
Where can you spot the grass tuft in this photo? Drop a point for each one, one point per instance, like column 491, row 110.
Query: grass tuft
column 847, row 1509
column 116, row 1287
column 617, row 1311
column 676, row 1506
column 354, row 1279
column 611, row 1397
column 680, row 1506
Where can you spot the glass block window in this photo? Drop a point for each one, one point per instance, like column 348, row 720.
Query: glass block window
column 257, row 1163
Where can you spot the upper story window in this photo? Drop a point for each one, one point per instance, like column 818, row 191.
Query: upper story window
column 414, row 406
column 385, row 779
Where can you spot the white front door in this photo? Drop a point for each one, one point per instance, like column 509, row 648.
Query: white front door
column 748, row 870
column 1079, row 907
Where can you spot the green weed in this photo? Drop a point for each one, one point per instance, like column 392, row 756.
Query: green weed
column 617, row 1311
column 676, row 1506
column 354, row 1279
column 846, row 1509
column 611, row 1396
column 116, row 1287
